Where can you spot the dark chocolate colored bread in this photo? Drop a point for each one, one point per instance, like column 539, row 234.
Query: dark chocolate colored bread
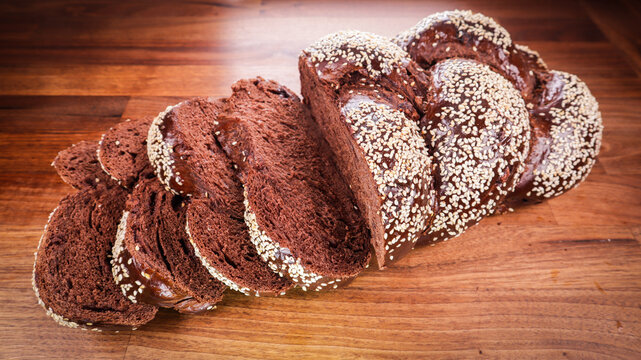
column 153, row 261
column 566, row 139
column 123, row 151
column 183, row 151
column 221, row 240
column 302, row 216
column 78, row 166
column 72, row 272
column 399, row 141
column 476, row 125
column 365, row 94
column 188, row 159
column 565, row 122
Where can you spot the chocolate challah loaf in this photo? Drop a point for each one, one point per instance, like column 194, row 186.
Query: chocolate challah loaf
column 397, row 142
column 565, row 123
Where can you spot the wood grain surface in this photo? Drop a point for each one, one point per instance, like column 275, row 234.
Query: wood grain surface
column 558, row 280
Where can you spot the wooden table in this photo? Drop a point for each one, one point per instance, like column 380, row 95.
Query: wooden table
column 558, row 280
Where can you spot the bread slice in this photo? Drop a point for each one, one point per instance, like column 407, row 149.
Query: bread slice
column 123, row 151
column 366, row 96
column 221, row 240
column 301, row 214
column 153, row 261
column 78, row 166
column 182, row 149
column 188, row 160
column 72, row 272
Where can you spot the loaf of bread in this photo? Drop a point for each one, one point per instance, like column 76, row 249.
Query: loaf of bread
column 398, row 142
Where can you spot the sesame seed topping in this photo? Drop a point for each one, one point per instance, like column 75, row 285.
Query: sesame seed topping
column 465, row 22
column 480, row 132
column 159, row 152
column 278, row 258
column 575, row 139
column 398, row 158
column 376, row 54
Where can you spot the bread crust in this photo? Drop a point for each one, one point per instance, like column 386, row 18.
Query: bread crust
column 565, row 122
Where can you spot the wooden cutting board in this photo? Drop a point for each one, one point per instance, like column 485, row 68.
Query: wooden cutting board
column 557, row 280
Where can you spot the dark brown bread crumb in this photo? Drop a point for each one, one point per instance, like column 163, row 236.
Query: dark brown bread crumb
column 78, row 166
column 301, row 214
column 221, row 240
column 72, row 273
column 123, row 151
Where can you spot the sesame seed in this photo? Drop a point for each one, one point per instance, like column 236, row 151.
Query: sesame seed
column 360, row 48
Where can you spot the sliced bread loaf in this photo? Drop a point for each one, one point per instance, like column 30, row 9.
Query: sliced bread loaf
column 188, row 159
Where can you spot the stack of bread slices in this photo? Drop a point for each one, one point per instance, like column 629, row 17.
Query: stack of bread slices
column 398, row 142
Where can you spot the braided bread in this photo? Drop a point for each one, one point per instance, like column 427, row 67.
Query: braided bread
column 565, row 122
column 477, row 125
column 397, row 142
column 500, row 128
